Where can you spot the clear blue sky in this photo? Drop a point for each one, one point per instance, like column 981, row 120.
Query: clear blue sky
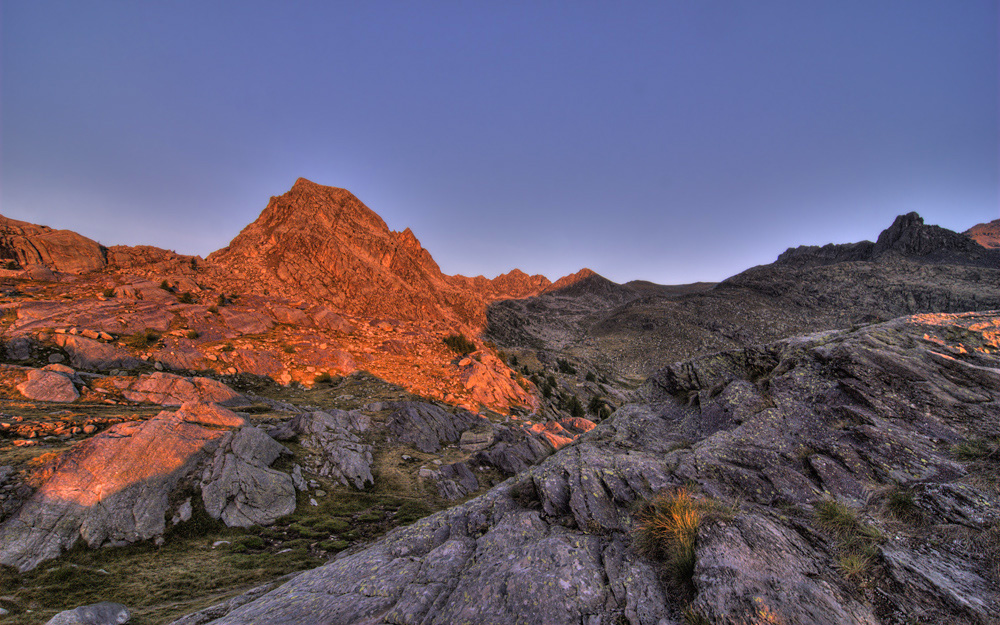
column 672, row 141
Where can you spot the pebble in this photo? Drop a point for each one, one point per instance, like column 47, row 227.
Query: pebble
column 321, row 493
column 313, row 502
column 220, row 542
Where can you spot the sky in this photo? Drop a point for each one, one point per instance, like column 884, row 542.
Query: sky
column 671, row 141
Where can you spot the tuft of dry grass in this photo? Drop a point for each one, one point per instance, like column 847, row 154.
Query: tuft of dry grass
column 667, row 531
column 857, row 542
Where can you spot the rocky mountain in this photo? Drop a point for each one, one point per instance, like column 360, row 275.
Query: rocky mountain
column 323, row 242
column 911, row 268
column 792, row 445
column 987, row 235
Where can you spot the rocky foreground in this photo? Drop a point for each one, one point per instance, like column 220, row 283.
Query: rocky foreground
column 855, row 472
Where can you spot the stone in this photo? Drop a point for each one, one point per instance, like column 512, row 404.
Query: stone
column 477, row 439
column 18, row 348
column 48, row 386
column 103, row 613
column 426, row 426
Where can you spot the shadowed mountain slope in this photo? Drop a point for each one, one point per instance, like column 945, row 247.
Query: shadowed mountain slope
column 911, row 268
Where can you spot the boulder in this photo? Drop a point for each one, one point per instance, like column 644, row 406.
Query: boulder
column 48, row 386
column 42, row 247
column 103, row 613
column 426, row 426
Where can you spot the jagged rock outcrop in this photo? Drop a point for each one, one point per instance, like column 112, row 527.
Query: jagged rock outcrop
column 29, row 245
column 238, row 487
column 767, row 433
column 107, row 491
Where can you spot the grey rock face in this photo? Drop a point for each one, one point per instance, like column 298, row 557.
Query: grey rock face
column 426, row 427
column 103, row 613
column 554, row 544
column 339, row 452
column 239, row 488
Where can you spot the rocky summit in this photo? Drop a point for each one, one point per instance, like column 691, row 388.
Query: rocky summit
column 316, row 425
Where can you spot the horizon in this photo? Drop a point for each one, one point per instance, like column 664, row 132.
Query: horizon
column 670, row 144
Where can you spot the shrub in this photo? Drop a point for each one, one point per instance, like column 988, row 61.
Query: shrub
column 323, row 378
column 108, row 292
column 193, row 334
column 574, row 407
column 513, row 361
column 142, row 340
column 854, row 564
column 213, row 309
column 165, row 285
column 185, row 298
column 459, row 344
column 228, row 347
column 595, row 405
column 566, row 367
column 288, row 349
column 221, row 300
column 856, row 540
column 590, row 377
column 12, row 265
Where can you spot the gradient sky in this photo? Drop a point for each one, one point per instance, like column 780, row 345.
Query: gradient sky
column 671, row 141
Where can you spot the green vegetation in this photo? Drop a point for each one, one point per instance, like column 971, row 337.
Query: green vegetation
column 186, row 298
column 228, row 347
column 165, row 285
column 108, row 292
column 192, row 334
column 288, row 349
column 459, row 344
column 590, row 377
column 12, row 265
column 323, row 378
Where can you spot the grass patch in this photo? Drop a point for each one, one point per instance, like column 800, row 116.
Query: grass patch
column 857, row 542
column 901, row 504
column 976, row 449
column 108, row 292
column 192, row 334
